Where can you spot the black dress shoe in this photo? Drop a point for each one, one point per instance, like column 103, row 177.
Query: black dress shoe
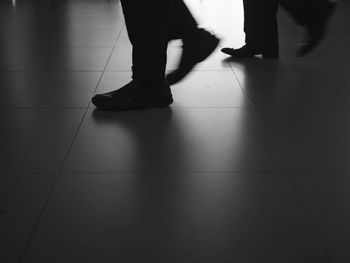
column 248, row 51
column 195, row 50
column 134, row 96
column 316, row 31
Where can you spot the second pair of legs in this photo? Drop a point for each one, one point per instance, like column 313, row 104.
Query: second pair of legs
column 260, row 25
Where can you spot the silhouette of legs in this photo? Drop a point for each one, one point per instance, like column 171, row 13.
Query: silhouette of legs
column 313, row 15
column 198, row 44
column 150, row 25
column 178, row 23
column 260, row 25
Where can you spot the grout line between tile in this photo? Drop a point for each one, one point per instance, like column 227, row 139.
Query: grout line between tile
column 63, row 163
column 309, row 219
column 231, row 68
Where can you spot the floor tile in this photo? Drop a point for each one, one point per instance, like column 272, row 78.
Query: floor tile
column 7, row 37
column 178, row 139
column 36, row 140
column 47, row 89
column 121, row 59
column 10, row 24
column 209, row 89
column 68, row 38
column 22, row 197
column 123, row 38
column 71, row 20
column 310, row 140
column 215, row 62
column 291, row 85
column 64, row 59
column 174, row 218
column 91, row 8
column 326, row 198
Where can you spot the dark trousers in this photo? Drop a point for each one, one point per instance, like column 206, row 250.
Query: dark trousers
column 150, row 26
column 260, row 22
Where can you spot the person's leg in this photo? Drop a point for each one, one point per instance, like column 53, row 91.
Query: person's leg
column 148, row 25
column 313, row 15
column 252, row 21
column 260, row 28
column 268, row 24
column 183, row 25
column 198, row 43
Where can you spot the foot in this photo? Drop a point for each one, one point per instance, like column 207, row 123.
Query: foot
column 316, row 31
column 194, row 51
column 133, row 96
column 312, row 39
column 248, row 51
column 328, row 7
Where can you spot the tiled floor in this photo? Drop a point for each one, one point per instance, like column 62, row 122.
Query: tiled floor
column 250, row 164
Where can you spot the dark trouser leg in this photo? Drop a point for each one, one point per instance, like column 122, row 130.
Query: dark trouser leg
column 198, row 44
column 183, row 25
column 148, row 25
column 260, row 22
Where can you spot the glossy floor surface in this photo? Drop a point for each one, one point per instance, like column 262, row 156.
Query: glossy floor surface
column 250, row 164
